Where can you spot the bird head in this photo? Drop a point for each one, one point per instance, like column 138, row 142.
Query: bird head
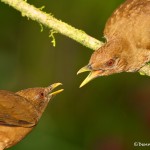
column 40, row 96
column 107, row 60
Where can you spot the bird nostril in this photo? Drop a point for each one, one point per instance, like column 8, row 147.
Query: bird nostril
column 89, row 66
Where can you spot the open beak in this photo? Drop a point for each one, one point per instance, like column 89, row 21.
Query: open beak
column 92, row 75
column 84, row 69
column 53, row 86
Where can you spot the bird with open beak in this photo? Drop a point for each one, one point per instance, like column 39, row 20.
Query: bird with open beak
column 127, row 46
column 21, row 111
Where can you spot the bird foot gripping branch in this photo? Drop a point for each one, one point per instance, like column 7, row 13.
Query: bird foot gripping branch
column 127, row 48
column 21, row 111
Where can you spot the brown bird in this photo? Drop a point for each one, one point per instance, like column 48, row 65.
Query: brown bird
column 127, row 46
column 21, row 111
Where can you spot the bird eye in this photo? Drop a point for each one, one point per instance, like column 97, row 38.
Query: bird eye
column 110, row 62
column 41, row 94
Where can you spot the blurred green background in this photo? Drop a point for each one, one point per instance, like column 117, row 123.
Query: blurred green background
column 109, row 113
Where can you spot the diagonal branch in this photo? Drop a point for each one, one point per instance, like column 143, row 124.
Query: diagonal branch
column 48, row 20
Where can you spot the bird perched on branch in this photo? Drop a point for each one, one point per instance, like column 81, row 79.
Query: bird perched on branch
column 127, row 46
column 21, row 111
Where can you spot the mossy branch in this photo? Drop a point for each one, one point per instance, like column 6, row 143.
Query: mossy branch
column 63, row 28
column 48, row 20
column 145, row 70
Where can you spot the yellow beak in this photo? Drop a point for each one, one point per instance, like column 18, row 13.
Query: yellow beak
column 84, row 69
column 92, row 75
column 53, row 86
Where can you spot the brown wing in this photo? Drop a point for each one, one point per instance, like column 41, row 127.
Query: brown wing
column 16, row 110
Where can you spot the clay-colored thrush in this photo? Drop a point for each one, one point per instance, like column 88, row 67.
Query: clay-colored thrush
column 127, row 46
column 21, row 111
